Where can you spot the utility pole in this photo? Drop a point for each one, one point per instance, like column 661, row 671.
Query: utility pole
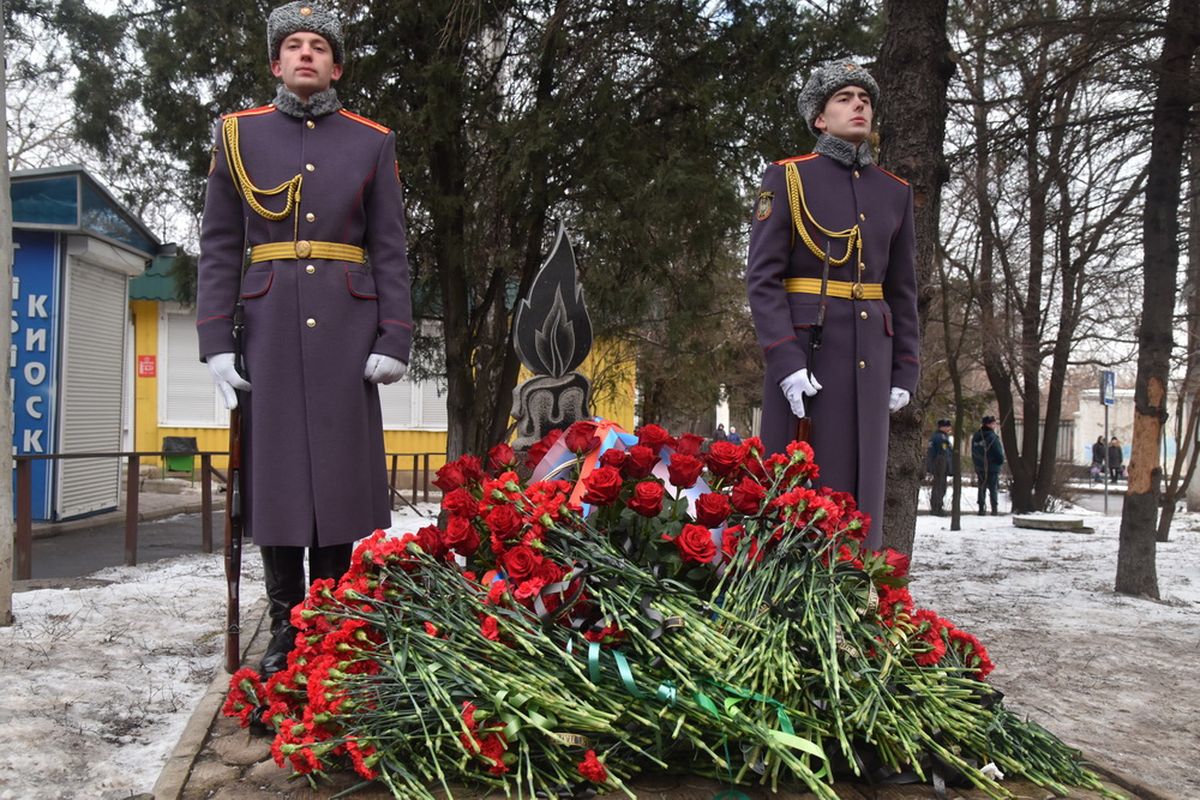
column 6, row 434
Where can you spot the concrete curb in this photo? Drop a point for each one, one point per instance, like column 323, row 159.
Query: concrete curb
column 175, row 772
column 1127, row 783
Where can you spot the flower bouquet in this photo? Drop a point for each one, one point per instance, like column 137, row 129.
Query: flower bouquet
column 641, row 601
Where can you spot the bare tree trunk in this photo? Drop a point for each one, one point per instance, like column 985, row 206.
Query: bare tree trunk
column 914, row 72
column 6, row 433
column 1136, row 571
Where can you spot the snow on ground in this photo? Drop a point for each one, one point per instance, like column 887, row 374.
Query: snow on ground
column 102, row 679
column 1111, row 674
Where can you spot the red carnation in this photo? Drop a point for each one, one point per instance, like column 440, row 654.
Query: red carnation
column 538, row 451
column 461, row 536
column 647, row 498
column 712, row 509
column 592, row 768
column 602, row 486
column 581, row 437
column 654, row 437
column 501, row 457
column 520, row 562
column 897, row 561
column 748, row 496
column 695, row 544
column 725, row 457
column 640, row 462
column 684, row 470
column 689, row 444
column 929, row 629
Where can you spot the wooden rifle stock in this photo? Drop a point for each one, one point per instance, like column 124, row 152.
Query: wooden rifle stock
column 233, row 545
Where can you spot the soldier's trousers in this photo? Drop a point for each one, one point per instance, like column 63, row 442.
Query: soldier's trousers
column 283, row 568
column 989, row 484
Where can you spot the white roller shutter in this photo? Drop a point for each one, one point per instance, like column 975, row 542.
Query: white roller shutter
column 187, row 397
column 94, row 357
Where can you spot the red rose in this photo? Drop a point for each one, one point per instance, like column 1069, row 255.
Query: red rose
column 449, row 477
column 689, row 444
column 538, row 451
column 897, row 561
column 501, row 457
column 639, row 463
column 602, row 487
column 461, row 536
column 520, row 562
column 461, row 503
column 724, row 457
column 472, row 468
column 695, row 544
column 684, row 470
column 654, row 437
column 748, row 496
column 429, row 539
column 581, row 437
column 549, row 571
column 712, row 509
column 647, row 498
column 613, row 457
column 592, row 768
column 503, row 521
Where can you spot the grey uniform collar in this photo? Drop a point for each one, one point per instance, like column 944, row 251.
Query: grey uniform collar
column 320, row 104
column 845, row 153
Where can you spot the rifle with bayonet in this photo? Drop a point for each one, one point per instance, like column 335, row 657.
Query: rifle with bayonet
column 804, row 425
column 234, row 525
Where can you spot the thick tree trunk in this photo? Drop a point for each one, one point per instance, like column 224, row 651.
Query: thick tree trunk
column 914, row 71
column 6, row 260
column 1136, row 571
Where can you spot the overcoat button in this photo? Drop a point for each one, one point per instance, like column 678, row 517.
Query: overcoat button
column 310, row 269
column 310, row 167
column 861, row 364
column 311, row 217
column 862, row 215
column 862, row 314
column 303, row 248
column 312, row 323
column 310, row 124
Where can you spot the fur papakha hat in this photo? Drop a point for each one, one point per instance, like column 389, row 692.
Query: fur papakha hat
column 304, row 16
column 827, row 79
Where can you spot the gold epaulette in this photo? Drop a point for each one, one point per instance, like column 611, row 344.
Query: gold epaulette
column 364, row 121
column 796, row 159
column 250, row 112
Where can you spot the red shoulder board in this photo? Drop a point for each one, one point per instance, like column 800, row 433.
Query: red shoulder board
column 364, row 121
column 892, row 175
column 797, row 159
column 251, row 112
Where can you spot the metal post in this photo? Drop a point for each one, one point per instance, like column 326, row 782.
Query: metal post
column 425, row 481
column 392, row 481
column 414, row 478
column 1104, row 463
column 24, row 519
column 131, row 510
column 206, row 532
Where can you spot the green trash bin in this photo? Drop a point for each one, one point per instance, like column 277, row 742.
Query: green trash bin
column 179, row 453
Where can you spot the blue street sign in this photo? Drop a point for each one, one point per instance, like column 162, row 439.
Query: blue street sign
column 1108, row 387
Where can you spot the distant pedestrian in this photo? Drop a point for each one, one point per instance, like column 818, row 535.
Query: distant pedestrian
column 733, row 435
column 939, row 463
column 1116, row 459
column 719, row 433
column 987, row 454
column 1098, row 459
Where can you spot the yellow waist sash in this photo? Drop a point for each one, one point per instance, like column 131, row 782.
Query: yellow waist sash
column 284, row 251
column 843, row 289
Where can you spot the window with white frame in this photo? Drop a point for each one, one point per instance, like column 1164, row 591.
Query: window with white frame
column 187, row 397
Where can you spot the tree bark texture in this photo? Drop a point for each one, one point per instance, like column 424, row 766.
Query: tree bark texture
column 913, row 71
column 1136, row 572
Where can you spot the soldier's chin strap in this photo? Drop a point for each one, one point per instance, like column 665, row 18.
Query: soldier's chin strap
column 247, row 189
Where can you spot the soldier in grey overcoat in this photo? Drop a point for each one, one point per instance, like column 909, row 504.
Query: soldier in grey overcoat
column 315, row 193
column 835, row 201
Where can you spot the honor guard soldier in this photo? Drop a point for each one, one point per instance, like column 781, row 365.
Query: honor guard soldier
column 314, row 193
column 832, row 242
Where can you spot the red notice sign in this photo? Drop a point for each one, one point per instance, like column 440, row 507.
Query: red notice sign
column 147, row 366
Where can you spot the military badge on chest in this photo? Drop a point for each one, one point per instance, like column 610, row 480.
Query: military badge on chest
column 762, row 209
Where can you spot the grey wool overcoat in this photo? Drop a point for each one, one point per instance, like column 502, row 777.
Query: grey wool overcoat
column 868, row 345
column 312, row 429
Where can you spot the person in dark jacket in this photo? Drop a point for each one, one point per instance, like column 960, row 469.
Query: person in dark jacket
column 312, row 190
column 1098, row 459
column 836, row 206
column 1116, row 459
column 940, row 464
column 987, row 454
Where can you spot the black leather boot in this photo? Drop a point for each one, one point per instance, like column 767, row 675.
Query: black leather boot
column 283, row 569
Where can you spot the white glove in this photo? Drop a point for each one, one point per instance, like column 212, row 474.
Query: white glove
column 898, row 400
column 796, row 387
column 384, row 369
column 227, row 378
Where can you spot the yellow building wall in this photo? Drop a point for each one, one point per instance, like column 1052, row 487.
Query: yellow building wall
column 610, row 367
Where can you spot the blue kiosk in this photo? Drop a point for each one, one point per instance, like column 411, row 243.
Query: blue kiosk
column 74, row 250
